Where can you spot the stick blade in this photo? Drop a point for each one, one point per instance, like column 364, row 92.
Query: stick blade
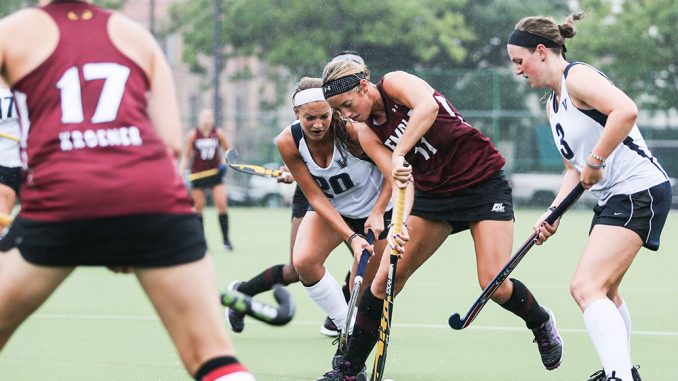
column 456, row 322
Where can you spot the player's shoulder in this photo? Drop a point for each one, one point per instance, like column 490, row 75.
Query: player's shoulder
column 23, row 18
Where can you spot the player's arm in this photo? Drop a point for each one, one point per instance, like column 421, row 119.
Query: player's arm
column 186, row 152
column 592, row 89
column 224, row 141
column 290, row 155
column 381, row 157
column 416, row 94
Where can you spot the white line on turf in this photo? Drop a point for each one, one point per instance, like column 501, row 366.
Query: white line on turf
column 444, row 327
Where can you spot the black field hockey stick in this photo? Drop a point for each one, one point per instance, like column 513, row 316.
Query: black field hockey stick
column 457, row 322
column 280, row 314
column 387, row 312
column 250, row 169
column 357, row 282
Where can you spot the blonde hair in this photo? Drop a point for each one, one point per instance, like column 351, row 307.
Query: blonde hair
column 343, row 68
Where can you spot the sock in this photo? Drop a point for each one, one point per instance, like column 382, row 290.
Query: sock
column 608, row 333
column 225, row 368
column 626, row 316
column 366, row 329
column 327, row 294
column 223, row 222
column 523, row 304
column 264, row 281
column 346, row 288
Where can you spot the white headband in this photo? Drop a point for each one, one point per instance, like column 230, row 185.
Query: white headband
column 308, row 96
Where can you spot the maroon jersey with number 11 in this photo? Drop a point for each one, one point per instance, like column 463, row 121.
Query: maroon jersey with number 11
column 91, row 149
column 450, row 156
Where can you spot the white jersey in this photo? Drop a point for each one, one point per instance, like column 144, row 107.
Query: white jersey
column 9, row 126
column 350, row 184
column 630, row 168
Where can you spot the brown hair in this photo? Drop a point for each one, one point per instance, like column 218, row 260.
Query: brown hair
column 547, row 27
column 338, row 124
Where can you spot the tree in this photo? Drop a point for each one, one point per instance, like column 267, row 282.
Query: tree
column 635, row 45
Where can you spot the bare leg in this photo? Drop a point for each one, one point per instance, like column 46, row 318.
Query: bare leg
column 23, row 288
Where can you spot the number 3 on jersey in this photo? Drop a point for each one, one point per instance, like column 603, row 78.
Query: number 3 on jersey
column 114, row 76
column 565, row 149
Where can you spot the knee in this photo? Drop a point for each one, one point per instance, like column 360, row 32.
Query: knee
column 308, row 270
column 583, row 291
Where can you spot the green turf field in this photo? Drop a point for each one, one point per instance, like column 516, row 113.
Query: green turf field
column 100, row 326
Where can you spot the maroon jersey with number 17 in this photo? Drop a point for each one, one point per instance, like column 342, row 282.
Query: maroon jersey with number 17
column 91, row 149
column 450, row 156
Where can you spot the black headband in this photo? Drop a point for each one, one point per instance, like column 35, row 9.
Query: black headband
column 529, row 40
column 342, row 85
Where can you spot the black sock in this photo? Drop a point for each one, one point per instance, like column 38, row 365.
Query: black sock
column 366, row 329
column 203, row 373
column 346, row 288
column 264, row 281
column 523, row 304
column 223, row 221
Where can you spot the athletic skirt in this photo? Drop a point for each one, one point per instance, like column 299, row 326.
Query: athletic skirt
column 488, row 200
column 11, row 176
column 145, row 240
column 643, row 212
column 210, row 181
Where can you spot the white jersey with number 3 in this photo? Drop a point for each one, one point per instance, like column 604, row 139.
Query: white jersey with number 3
column 350, row 184
column 630, row 168
column 9, row 126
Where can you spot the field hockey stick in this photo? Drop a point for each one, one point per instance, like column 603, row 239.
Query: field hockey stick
column 206, row 173
column 457, row 322
column 250, row 169
column 387, row 311
column 8, row 136
column 279, row 314
column 5, row 220
column 357, row 282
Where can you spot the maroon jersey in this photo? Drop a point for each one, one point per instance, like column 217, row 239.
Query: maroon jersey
column 206, row 153
column 451, row 156
column 91, row 150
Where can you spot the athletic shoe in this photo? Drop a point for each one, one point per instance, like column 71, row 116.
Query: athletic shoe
column 600, row 375
column 344, row 372
column 329, row 328
column 549, row 342
column 235, row 319
column 228, row 246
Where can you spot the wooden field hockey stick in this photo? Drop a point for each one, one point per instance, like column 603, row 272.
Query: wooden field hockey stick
column 357, row 282
column 10, row 137
column 279, row 314
column 206, row 173
column 387, row 312
column 457, row 322
column 5, row 220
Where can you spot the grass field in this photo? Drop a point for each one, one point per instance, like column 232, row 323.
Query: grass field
column 100, row 326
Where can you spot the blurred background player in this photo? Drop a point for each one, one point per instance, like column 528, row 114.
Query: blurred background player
column 285, row 273
column 460, row 185
column 594, row 127
column 10, row 162
column 203, row 146
column 102, row 188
